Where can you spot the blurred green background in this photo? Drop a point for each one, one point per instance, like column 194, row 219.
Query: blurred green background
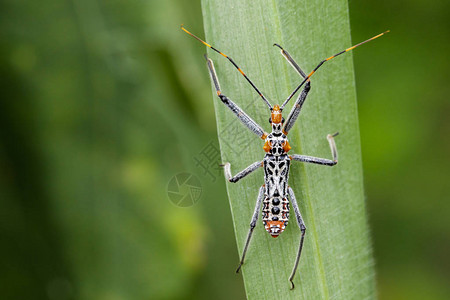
column 103, row 102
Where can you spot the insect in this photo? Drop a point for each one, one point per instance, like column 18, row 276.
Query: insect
column 275, row 194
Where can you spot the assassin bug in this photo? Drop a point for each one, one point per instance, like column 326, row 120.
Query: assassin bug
column 275, row 194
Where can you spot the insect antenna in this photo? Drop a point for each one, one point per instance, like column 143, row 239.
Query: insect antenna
column 325, row 60
column 232, row 61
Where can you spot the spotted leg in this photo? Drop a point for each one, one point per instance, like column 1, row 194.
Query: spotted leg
column 241, row 174
column 293, row 115
column 252, row 225
column 317, row 160
column 291, row 61
column 242, row 116
column 295, row 112
column 302, row 226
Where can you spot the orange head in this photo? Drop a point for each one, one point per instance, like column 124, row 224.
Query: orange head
column 276, row 115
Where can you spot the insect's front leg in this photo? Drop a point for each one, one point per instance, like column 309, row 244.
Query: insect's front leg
column 293, row 115
column 242, row 174
column 302, row 226
column 291, row 61
column 240, row 114
column 317, row 160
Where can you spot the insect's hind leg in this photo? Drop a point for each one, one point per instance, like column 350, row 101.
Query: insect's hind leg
column 240, row 114
column 252, row 226
column 302, row 226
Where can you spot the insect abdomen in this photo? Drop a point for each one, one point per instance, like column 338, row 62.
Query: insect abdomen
column 275, row 214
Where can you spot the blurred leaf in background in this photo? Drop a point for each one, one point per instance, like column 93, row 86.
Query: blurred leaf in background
column 404, row 104
column 103, row 102
column 102, row 105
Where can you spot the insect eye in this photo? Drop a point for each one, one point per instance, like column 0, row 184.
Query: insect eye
column 282, row 120
column 270, row 120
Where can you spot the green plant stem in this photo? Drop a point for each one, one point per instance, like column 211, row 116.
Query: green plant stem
column 336, row 261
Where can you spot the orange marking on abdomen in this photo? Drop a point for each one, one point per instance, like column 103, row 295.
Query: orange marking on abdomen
column 275, row 228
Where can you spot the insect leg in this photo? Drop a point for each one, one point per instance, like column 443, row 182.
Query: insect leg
column 317, row 160
column 241, row 174
column 291, row 61
column 242, row 116
column 302, row 226
column 293, row 115
column 252, row 226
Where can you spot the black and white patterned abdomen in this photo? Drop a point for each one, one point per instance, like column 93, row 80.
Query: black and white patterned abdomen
column 275, row 212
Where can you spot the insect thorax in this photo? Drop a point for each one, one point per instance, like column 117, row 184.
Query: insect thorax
column 275, row 212
column 277, row 144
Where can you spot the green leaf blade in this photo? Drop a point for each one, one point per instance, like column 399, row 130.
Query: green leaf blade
column 336, row 261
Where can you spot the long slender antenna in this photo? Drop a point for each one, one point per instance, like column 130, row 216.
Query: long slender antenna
column 325, row 60
column 234, row 64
